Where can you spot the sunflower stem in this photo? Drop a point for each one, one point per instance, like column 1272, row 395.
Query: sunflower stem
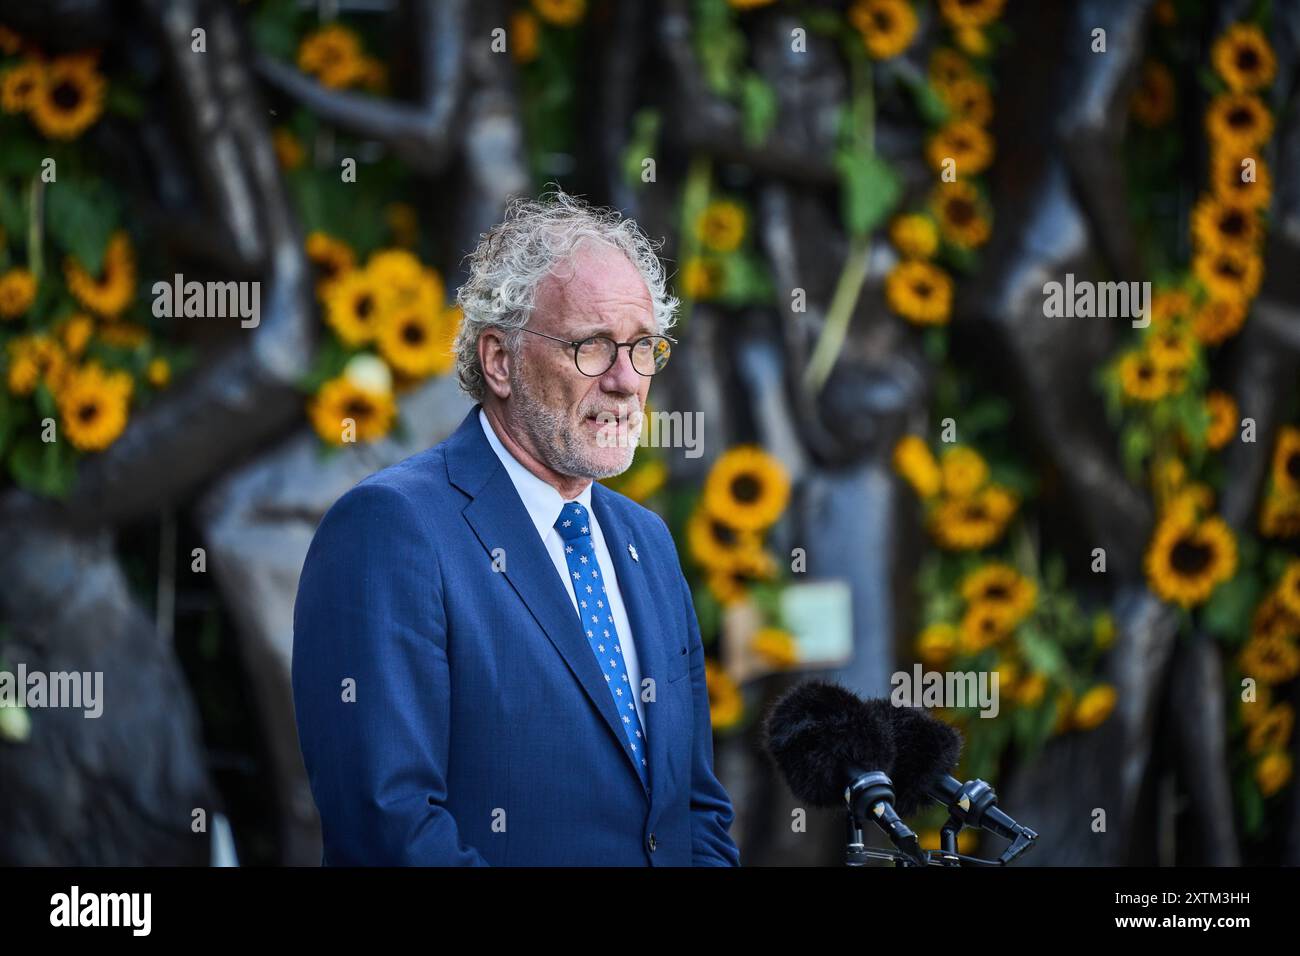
column 847, row 289
column 695, row 197
column 36, row 228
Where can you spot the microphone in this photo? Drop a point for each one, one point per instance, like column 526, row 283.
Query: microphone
column 831, row 746
column 927, row 748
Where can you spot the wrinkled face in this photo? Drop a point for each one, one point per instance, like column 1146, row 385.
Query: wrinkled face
column 584, row 427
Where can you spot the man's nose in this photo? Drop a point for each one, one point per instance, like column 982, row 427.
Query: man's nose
column 622, row 377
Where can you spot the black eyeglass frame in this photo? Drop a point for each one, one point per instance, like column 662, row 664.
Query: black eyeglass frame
column 617, row 345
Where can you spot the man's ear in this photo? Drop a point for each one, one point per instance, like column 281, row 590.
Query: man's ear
column 495, row 361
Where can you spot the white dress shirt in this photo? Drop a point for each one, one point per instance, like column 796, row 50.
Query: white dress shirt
column 543, row 504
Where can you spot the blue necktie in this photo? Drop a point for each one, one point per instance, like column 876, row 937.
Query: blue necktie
column 598, row 624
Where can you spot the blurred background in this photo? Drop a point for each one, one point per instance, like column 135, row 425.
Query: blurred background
column 913, row 448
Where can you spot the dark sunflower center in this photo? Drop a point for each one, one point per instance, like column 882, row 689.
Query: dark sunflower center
column 923, row 289
column 1226, row 267
column 66, row 96
column 365, row 305
column 357, row 408
column 1145, row 372
column 1233, row 224
column 883, row 21
column 723, row 534
column 1190, row 557
column 997, row 592
column 745, row 488
column 975, row 513
column 960, row 211
column 1241, row 118
column 1293, row 465
column 412, row 334
column 1247, row 59
column 87, row 412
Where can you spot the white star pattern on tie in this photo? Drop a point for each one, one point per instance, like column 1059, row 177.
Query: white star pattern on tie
column 580, row 553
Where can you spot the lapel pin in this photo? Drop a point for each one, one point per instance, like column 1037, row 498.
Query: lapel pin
column 631, row 549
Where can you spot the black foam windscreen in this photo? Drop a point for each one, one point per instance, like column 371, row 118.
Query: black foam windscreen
column 925, row 747
column 820, row 735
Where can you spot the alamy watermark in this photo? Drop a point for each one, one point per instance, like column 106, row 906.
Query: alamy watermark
column 657, row 430
column 75, row 689
column 1100, row 300
column 947, row 689
column 208, row 300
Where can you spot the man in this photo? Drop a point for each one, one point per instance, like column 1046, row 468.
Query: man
column 496, row 660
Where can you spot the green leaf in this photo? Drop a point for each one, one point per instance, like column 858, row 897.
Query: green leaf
column 1227, row 613
column 42, row 467
column 640, row 145
column 870, row 190
column 758, row 108
column 80, row 217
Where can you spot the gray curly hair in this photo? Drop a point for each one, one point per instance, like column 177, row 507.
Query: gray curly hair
column 514, row 256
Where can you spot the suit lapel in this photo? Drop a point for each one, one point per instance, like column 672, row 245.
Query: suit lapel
column 499, row 520
column 646, row 635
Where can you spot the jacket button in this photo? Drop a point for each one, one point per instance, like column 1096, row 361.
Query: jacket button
column 652, row 843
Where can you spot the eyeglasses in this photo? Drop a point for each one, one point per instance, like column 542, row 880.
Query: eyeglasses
column 596, row 355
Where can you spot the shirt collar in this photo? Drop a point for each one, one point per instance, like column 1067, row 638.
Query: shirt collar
column 541, row 500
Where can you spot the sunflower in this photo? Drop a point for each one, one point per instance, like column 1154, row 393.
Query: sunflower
column 1238, row 122
column 1286, row 461
column 1288, row 590
column 560, row 13
column 372, row 75
column 331, row 257
column 644, row 480
column 962, row 214
column 919, row 292
column 1243, row 57
column 333, row 55
column 702, row 277
column 1032, row 689
column 726, row 706
column 1274, row 617
column 1008, row 671
column 10, row 42
column 402, row 282
column 1004, row 589
column 1252, row 710
column 523, row 36
column 716, row 545
column 1270, row 659
column 125, row 335
column 776, row 646
column 982, row 626
column 1093, row 707
column 1222, row 411
column 1272, row 730
column 1229, row 273
column 1279, row 516
column 1219, row 223
column 887, row 26
column 339, row 400
column 288, row 149
column 403, row 224
column 936, row 644
column 17, row 292
column 972, row 41
column 970, row 13
column 1218, row 320
column 353, row 307
column 18, row 86
column 69, row 97
column 947, row 68
column 33, row 359
column 113, row 291
column 1153, row 100
column 93, row 406
column 1272, row 772
column 75, row 332
column 967, row 524
column 747, row 488
column 721, row 226
column 1187, row 560
column 964, row 471
column 1229, row 179
column 914, row 236
column 915, row 463
column 1140, row 378
column 964, row 142
column 1170, row 305
column 968, row 98
column 415, row 343
column 1171, row 348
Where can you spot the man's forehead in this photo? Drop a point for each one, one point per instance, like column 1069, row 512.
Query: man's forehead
column 596, row 284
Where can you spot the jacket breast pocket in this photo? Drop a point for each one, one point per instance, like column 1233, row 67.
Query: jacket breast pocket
column 679, row 663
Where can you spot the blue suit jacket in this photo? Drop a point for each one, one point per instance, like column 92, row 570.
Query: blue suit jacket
column 482, row 730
